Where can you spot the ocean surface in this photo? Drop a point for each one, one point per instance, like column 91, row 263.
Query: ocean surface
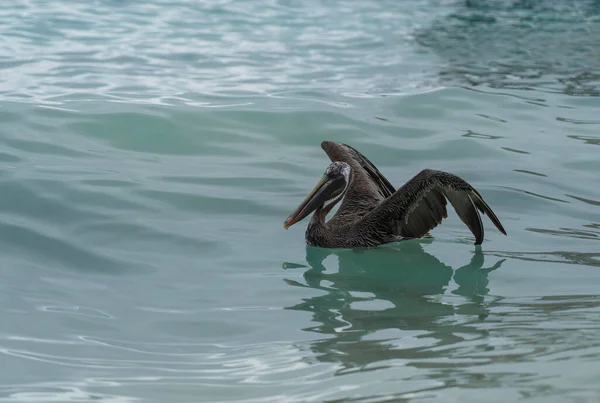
column 150, row 152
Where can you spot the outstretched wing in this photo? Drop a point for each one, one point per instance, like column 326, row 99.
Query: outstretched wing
column 420, row 205
column 368, row 186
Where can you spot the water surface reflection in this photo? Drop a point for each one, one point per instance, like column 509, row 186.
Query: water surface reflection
column 392, row 303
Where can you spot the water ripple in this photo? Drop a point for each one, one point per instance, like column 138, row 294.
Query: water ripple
column 158, row 49
column 512, row 45
column 172, row 365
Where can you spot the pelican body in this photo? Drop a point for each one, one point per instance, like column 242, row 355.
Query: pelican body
column 373, row 213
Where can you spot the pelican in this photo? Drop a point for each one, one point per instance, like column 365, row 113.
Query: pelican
column 373, row 213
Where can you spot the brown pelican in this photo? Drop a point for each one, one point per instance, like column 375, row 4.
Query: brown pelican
column 373, row 213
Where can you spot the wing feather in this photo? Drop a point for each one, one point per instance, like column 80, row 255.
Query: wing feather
column 420, row 205
column 384, row 185
column 467, row 212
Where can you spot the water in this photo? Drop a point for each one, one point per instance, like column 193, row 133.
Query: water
column 150, row 153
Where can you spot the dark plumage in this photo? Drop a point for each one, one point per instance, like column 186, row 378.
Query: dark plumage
column 374, row 213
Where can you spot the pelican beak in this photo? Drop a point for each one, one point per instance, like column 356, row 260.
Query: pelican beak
column 316, row 198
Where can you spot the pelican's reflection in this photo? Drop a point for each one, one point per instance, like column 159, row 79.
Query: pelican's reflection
column 375, row 294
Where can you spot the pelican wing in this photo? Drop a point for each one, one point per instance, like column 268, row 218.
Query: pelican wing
column 368, row 186
column 420, row 205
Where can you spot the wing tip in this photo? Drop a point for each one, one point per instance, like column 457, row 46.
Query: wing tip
column 487, row 210
column 327, row 143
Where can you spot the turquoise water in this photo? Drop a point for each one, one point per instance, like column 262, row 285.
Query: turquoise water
column 150, row 153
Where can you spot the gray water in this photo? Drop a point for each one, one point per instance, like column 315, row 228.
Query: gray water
column 149, row 154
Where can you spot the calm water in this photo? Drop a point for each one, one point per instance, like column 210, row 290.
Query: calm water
column 149, row 154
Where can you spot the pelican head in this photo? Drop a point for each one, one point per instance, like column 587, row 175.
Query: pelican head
column 328, row 191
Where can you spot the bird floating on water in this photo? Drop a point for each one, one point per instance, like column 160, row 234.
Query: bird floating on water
column 373, row 213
